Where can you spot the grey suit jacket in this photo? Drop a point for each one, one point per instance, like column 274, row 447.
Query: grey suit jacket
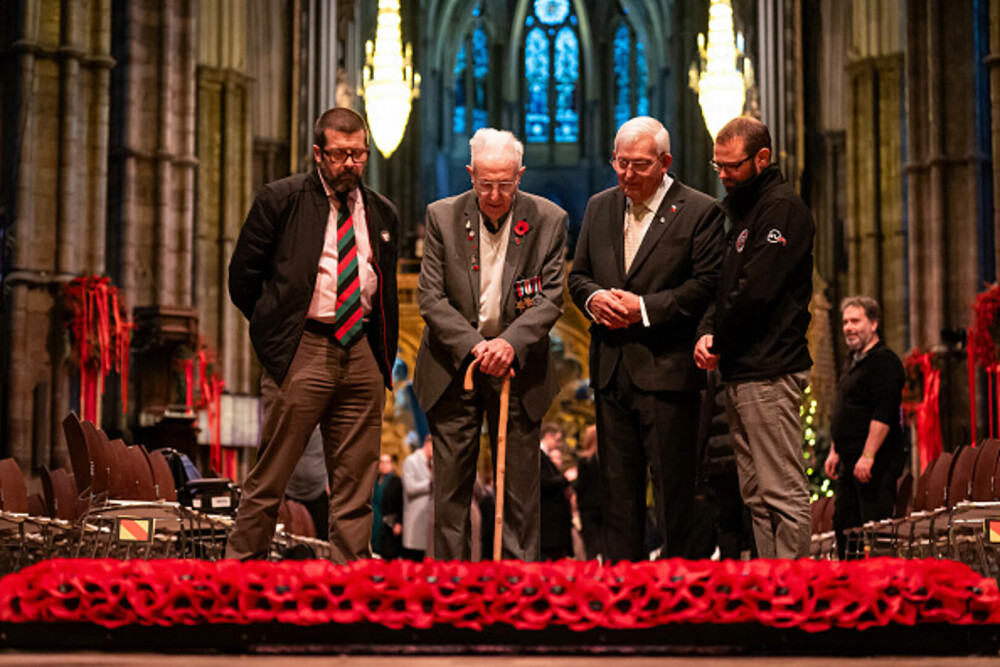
column 449, row 296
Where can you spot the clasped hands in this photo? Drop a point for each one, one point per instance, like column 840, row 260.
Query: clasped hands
column 615, row 308
column 495, row 356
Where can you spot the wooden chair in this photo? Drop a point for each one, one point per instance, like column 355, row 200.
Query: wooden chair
column 79, row 454
column 982, row 476
column 100, row 459
column 36, row 506
column 59, row 491
column 163, row 479
column 145, row 486
column 904, row 496
column 13, row 493
column 924, row 523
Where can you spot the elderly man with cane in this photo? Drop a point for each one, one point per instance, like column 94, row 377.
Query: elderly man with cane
column 490, row 290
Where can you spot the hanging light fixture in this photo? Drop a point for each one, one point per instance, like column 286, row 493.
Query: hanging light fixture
column 389, row 81
column 723, row 74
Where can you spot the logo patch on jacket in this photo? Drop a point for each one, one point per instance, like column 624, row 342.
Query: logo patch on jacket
column 774, row 236
column 741, row 240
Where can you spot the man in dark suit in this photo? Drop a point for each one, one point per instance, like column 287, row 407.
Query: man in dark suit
column 314, row 272
column 490, row 289
column 645, row 270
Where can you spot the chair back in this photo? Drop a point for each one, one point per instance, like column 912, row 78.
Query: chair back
column 302, row 523
column 826, row 521
column 920, row 497
column 937, row 485
column 163, row 479
column 100, row 458
column 817, row 508
column 36, row 506
column 904, row 496
column 962, row 469
column 145, row 485
column 79, row 455
column 13, row 493
column 982, row 476
column 59, row 491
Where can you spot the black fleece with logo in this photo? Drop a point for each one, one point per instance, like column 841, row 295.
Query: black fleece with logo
column 761, row 313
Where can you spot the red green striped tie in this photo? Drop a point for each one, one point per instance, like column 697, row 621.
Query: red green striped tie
column 347, row 319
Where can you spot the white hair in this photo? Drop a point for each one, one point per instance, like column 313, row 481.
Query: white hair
column 644, row 126
column 500, row 142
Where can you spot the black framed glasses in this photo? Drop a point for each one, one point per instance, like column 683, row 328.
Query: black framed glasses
column 730, row 166
column 339, row 155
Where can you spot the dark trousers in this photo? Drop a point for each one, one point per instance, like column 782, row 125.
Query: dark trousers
column 455, row 422
column 856, row 504
column 636, row 429
column 342, row 390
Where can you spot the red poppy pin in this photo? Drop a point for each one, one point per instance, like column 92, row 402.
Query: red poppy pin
column 520, row 229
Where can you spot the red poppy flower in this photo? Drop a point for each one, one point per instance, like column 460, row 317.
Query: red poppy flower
column 521, row 228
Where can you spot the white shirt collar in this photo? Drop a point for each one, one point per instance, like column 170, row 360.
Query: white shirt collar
column 653, row 202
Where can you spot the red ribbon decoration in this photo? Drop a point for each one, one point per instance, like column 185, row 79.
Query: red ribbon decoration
column 187, row 365
column 93, row 302
column 926, row 412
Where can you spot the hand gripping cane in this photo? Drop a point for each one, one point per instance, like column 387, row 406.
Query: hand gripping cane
column 501, row 455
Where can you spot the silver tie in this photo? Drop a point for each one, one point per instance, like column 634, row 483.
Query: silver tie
column 633, row 232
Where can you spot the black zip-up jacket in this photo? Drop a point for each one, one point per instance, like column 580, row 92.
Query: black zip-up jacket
column 272, row 273
column 761, row 313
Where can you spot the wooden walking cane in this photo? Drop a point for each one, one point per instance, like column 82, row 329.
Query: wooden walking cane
column 501, row 455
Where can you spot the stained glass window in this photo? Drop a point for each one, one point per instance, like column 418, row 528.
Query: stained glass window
column 567, row 75
column 472, row 64
column 536, row 70
column 480, row 68
column 631, row 76
column 552, row 12
column 552, row 73
column 459, row 123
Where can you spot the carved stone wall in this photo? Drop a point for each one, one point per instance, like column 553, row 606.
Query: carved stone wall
column 56, row 62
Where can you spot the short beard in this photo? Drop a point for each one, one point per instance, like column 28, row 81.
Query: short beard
column 346, row 182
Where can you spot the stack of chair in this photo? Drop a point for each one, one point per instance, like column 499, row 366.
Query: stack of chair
column 954, row 497
column 117, row 481
column 29, row 531
column 824, row 543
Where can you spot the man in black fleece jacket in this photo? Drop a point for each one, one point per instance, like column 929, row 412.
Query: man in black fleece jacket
column 756, row 334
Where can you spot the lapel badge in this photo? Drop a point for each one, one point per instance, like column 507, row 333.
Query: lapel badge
column 673, row 208
column 525, row 303
column 385, row 235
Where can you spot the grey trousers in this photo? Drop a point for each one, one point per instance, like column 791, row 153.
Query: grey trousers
column 767, row 439
column 342, row 390
column 456, row 423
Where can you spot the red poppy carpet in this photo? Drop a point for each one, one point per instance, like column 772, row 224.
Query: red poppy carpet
column 508, row 599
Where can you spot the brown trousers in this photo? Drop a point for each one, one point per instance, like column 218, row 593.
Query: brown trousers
column 341, row 390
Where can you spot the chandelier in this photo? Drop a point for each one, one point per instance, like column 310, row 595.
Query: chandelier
column 389, row 81
column 717, row 77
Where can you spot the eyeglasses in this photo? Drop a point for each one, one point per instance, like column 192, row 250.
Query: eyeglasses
column 729, row 166
column 339, row 155
column 638, row 166
column 486, row 187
